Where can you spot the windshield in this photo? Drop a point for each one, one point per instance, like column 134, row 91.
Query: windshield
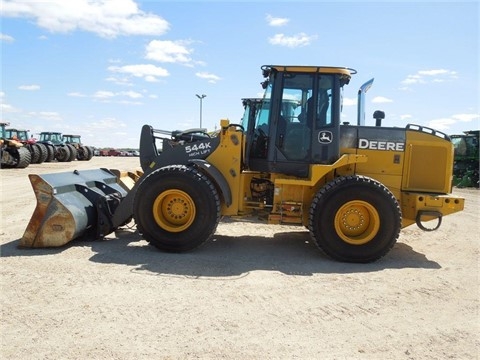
column 55, row 138
column 73, row 139
column 263, row 111
column 465, row 145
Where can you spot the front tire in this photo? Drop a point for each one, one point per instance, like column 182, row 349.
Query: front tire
column 24, row 157
column 176, row 208
column 355, row 219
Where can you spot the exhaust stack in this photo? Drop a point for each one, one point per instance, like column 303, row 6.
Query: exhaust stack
column 361, row 102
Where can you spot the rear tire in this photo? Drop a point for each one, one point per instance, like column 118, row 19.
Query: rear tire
column 355, row 219
column 90, row 152
column 82, row 153
column 73, row 152
column 34, row 153
column 176, row 208
column 43, row 152
column 50, row 152
column 62, row 153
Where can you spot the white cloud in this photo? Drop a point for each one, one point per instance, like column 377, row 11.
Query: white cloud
column 6, row 38
column 405, row 117
column 441, row 124
column 148, row 72
column 381, row 100
column 428, row 76
column 117, row 97
column 76, row 94
column 7, row 108
column 129, row 102
column 32, row 87
column 106, row 18
column 131, row 94
column 276, row 21
column 444, row 123
column 4, row 107
column 301, row 39
column 207, row 76
column 107, row 123
column 167, row 51
column 119, row 80
column 46, row 115
column 102, row 94
column 349, row 101
column 150, row 78
column 435, row 72
column 466, row 117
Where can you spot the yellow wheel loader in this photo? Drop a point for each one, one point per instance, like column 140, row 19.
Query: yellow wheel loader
column 290, row 161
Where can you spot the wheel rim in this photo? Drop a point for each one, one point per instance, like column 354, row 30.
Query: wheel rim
column 174, row 210
column 357, row 222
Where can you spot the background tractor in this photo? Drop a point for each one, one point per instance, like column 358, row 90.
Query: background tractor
column 12, row 152
column 38, row 151
column 83, row 152
column 290, row 161
column 57, row 149
column 465, row 166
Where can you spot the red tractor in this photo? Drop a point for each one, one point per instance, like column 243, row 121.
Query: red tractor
column 37, row 150
column 12, row 152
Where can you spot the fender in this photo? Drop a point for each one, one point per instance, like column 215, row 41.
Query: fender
column 217, row 176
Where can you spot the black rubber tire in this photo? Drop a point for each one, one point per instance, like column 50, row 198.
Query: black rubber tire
column 24, row 158
column 50, row 153
column 34, row 153
column 62, row 153
column 355, row 219
column 43, row 152
column 188, row 215
column 81, row 153
column 73, row 152
column 90, row 152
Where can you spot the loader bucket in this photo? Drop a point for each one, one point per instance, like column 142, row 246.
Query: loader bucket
column 69, row 204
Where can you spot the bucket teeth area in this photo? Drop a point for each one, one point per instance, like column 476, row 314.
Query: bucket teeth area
column 67, row 205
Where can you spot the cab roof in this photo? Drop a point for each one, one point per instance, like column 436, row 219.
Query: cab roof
column 312, row 69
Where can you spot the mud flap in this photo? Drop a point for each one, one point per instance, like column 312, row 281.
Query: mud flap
column 69, row 204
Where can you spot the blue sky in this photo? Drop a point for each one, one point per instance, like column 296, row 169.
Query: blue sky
column 103, row 68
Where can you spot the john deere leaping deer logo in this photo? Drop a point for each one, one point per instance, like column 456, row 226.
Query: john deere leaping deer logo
column 325, row 137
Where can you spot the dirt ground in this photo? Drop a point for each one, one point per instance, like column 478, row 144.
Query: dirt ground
column 254, row 292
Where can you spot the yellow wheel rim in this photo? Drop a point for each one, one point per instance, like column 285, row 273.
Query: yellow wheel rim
column 357, row 222
column 174, row 210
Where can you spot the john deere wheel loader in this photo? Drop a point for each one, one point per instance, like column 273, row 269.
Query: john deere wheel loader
column 290, row 161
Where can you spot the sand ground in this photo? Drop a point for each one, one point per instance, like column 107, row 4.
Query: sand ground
column 254, row 291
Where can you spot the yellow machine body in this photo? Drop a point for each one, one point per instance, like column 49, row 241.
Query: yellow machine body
column 290, row 161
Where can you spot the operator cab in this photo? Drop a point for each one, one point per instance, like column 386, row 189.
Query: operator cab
column 297, row 123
